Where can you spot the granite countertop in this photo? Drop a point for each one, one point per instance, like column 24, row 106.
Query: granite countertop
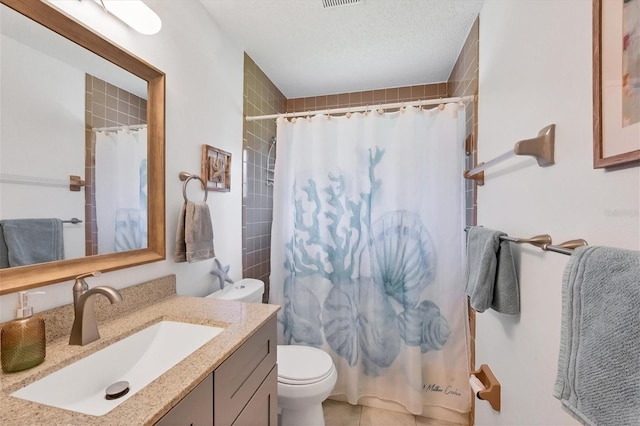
column 240, row 321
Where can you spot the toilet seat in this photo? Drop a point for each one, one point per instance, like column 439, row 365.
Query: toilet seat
column 303, row 365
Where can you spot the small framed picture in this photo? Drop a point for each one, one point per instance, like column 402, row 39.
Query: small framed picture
column 616, row 82
column 216, row 169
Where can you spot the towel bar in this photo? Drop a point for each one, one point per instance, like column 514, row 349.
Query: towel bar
column 186, row 177
column 544, row 242
column 541, row 147
column 75, row 183
column 73, row 220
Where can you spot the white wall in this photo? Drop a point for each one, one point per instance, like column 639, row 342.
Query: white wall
column 203, row 106
column 535, row 69
column 42, row 139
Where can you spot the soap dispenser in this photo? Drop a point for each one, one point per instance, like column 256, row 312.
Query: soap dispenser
column 22, row 340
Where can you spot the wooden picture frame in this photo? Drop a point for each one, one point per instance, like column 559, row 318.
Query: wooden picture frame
column 216, row 169
column 616, row 84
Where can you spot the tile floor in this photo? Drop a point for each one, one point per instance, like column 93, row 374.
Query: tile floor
column 343, row 414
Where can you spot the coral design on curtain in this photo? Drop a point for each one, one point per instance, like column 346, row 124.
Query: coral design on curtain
column 367, row 253
column 121, row 190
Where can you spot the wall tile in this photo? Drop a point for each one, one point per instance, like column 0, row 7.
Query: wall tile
column 465, row 76
column 262, row 97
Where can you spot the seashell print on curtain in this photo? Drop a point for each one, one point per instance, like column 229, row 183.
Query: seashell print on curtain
column 355, row 267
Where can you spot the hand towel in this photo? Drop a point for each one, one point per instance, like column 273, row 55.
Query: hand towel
column 598, row 378
column 491, row 274
column 32, row 241
column 194, row 238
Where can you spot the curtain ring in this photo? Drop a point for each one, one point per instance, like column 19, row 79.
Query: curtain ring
column 186, row 177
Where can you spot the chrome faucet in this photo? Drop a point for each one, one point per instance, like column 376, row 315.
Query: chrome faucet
column 85, row 327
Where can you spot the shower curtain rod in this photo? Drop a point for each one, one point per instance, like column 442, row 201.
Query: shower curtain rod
column 116, row 128
column 363, row 108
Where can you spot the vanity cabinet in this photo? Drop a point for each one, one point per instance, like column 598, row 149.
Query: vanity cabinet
column 244, row 385
column 242, row 391
column 195, row 409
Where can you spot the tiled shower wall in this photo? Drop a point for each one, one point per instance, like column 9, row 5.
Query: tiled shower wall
column 106, row 105
column 261, row 97
column 370, row 97
column 463, row 81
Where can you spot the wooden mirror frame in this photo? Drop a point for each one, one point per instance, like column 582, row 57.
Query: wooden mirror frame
column 31, row 276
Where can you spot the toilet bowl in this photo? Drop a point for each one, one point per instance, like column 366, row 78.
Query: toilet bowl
column 306, row 375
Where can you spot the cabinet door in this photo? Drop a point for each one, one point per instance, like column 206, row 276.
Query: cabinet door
column 195, row 409
column 240, row 375
column 262, row 409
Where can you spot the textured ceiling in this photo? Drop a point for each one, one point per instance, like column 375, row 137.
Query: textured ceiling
column 307, row 50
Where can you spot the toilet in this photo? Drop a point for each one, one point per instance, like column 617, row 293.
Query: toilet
column 306, row 375
column 248, row 290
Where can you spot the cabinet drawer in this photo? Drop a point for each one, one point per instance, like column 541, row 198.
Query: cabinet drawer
column 262, row 409
column 238, row 377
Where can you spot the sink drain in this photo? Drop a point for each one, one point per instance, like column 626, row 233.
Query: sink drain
column 117, row 390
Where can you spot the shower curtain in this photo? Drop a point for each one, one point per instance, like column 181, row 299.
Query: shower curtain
column 121, row 190
column 367, row 253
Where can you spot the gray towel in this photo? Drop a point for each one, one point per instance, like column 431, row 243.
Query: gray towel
column 4, row 251
column 492, row 281
column 598, row 378
column 32, row 241
column 194, row 238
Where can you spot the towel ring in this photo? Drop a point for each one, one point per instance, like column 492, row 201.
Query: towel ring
column 186, row 177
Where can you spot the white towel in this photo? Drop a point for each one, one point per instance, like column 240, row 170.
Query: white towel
column 194, row 237
column 598, row 377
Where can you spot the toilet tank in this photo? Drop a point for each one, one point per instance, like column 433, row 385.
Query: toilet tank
column 249, row 290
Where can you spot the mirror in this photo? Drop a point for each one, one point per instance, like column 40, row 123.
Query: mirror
column 61, row 147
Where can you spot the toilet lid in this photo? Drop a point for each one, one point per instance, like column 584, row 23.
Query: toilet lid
column 301, row 365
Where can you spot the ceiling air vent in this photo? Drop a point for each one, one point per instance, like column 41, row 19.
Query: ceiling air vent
column 335, row 3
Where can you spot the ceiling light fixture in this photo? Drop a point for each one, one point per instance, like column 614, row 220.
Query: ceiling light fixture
column 135, row 14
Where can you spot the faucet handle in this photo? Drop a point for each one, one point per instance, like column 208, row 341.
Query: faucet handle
column 80, row 286
column 80, row 278
column 88, row 274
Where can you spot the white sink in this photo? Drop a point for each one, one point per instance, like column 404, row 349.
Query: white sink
column 138, row 359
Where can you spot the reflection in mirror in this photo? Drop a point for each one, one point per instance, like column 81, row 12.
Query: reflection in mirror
column 75, row 107
column 116, row 169
column 81, row 125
